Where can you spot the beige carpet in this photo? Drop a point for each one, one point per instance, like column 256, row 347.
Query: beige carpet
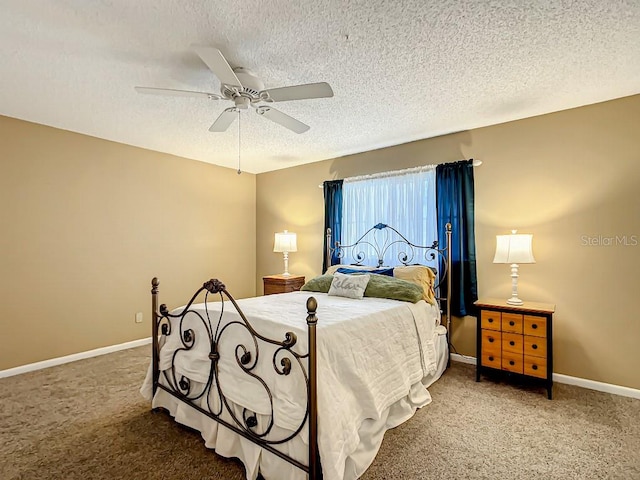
column 87, row 421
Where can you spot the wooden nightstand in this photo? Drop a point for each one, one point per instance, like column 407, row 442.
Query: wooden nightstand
column 282, row 284
column 516, row 339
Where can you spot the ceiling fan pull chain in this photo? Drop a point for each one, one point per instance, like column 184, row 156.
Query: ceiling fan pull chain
column 239, row 171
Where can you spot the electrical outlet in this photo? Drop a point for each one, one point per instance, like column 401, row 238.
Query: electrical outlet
column 139, row 317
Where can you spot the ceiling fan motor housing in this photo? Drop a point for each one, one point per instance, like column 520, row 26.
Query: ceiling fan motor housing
column 251, row 87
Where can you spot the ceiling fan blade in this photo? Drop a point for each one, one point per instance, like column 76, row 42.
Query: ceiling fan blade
column 176, row 93
column 300, row 92
column 283, row 119
column 217, row 64
column 225, row 119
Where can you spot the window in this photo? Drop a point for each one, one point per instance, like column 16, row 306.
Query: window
column 404, row 200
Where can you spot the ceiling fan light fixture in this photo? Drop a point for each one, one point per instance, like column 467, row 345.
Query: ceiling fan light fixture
column 242, row 102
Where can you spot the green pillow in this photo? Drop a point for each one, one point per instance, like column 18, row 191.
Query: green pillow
column 318, row 284
column 380, row 286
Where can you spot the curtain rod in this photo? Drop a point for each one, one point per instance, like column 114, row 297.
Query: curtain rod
column 392, row 173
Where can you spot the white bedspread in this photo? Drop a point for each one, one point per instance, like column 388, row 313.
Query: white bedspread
column 371, row 354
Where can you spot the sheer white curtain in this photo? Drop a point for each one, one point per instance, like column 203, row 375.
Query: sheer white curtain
column 404, row 200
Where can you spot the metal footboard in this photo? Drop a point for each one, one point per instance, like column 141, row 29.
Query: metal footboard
column 209, row 398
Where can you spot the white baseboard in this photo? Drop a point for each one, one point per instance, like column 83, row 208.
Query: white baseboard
column 557, row 377
column 599, row 386
column 72, row 358
column 456, row 357
column 568, row 380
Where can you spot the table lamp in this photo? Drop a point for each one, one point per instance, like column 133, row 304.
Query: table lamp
column 285, row 242
column 514, row 249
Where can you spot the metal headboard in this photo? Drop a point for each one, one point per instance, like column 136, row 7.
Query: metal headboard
column 380, row 238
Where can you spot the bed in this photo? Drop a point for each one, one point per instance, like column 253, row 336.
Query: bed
column 297, row 397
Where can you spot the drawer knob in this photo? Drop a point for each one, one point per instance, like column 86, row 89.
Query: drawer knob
column 534, row 346
column 534, row 326
column 511, row 362
column 512, row 343
column 491, row 359
column 490, row 339
column 512, row 323
column 535, row 367
column 491, row 320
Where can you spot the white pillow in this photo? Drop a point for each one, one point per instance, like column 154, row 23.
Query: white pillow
column 350, row 286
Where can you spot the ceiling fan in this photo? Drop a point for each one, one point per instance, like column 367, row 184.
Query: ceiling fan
column 245, row 89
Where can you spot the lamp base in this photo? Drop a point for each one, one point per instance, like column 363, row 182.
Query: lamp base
column 514, row 300
column 286, row 264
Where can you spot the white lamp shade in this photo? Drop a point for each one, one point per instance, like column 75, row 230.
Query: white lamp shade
column 285, row 242
column 514, row 248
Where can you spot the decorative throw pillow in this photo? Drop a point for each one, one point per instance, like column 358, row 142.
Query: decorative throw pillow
column 334, row 268
column 378, row 271
column 318, row 284
column 350, row 286
column 382, row 286
column 422, row 276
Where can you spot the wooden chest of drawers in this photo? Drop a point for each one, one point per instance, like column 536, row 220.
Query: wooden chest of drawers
column 516, row 339
column 281, row 283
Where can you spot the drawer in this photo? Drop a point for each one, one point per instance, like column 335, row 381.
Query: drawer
column 535, row 346
column 512, row 342
column 512, row 322
column 512, row 362
column 270, row 289
column 491, row 341
column 490, row 319
column 490, row 359
column 292, row 287
column 535, row 325
column 535, row 366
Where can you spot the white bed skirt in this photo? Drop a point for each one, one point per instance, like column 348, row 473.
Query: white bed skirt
column 229, row 444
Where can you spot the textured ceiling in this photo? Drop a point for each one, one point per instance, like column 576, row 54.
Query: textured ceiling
column 400, row 70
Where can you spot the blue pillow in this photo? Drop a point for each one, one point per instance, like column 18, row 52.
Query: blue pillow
column 379, row 271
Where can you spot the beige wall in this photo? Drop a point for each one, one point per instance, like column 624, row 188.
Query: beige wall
column 86, row 224
column 562, row 177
